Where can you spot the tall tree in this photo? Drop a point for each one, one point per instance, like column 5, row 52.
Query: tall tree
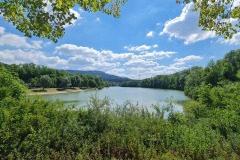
column 65, row 82
column 75, row 81
column 45, row 81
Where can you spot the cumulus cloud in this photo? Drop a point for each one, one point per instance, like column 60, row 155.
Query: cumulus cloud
column 235, row 40
column 140, row 62
column 189, row 58
column 13, row 40
column 80, row 60
column 22, row 56
column 99, row 55
column 72, row 50
column 154, row 55
column 186, row 27
column 140, row 48
column 122, row 64
column 150, row 34
column 141, row 69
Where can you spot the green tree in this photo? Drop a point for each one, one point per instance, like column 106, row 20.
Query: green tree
column 217, row 15
column 46, row 19
column 193, row 81
column 10, row 85
column 65, row 82
column 45, row 81
column 75, row 81
column 212, row 73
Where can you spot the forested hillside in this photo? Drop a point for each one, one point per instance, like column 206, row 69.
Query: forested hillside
column 34, row 76
column 105, row 76
column 209, row 128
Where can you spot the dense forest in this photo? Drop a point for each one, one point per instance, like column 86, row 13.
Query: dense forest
column 33, row 75
column 209, row 127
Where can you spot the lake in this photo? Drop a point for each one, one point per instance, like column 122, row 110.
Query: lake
column 119, row 95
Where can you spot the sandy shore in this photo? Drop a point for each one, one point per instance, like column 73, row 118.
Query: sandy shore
column 40, row 91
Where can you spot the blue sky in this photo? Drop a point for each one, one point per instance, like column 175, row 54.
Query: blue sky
column 150, row 38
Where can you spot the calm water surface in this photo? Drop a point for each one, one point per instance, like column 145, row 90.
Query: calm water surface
column 119, row 95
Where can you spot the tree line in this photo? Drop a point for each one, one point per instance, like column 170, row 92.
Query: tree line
column 219, row 73
column 34, row 75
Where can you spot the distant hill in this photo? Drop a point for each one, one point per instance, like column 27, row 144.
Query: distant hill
column 105, row 76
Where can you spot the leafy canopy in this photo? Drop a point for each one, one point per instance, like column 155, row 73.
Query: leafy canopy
column 221, row 16
column 48, row 18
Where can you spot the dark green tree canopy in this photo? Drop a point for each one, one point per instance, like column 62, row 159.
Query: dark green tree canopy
column 221, row 16
column 47, row 18
column 45, row 81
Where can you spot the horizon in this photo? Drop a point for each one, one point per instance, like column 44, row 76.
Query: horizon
column 149, row 39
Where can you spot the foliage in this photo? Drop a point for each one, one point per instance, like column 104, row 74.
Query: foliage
column 174, row 81
column 47, row 19
column 45, row 81
column 75, row 81
column 65, row 82
column 220, row 16
column 31, row 75
column 10, row 86
column 209, row 128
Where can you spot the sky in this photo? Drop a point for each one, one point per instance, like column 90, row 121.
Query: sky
column 150, row 38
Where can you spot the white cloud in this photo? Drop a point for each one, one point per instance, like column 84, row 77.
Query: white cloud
column 47, row 44
column 236, row 3
column 13, row 40
column 140, row 62
column 122, row 64
column 37, row 44
column 189, row 58
column 2, row 30
column 73, row 21
column 235, row 40
column 71, row 50
column 154, row 55
column 138, row 48
column 145, row 69
column 81, row 61
column 21, row 56
column 49, row 9
column 186, row 27
column 141, row 48
column 150, row 34
column 116, row 71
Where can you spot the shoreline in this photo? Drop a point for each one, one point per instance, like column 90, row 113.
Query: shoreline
column 46, row 91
